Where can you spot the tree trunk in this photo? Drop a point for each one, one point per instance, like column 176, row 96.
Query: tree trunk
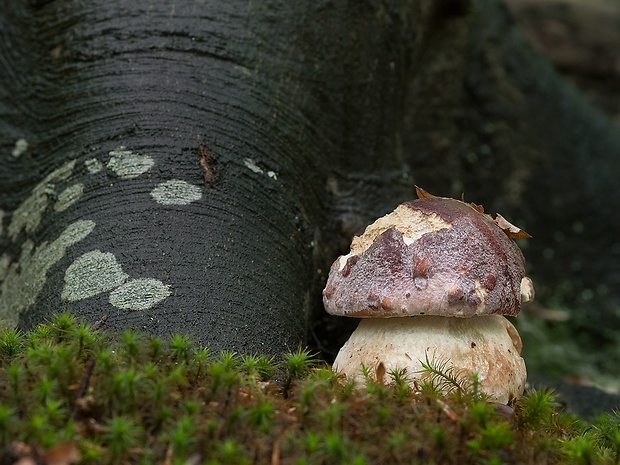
column 196, row 166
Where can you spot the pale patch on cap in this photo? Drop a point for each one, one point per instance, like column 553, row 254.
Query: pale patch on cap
column 413, row 224
column 343, row 259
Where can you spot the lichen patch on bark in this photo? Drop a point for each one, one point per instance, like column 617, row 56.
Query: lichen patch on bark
column 93, row 166
column 5, row 262
column 91, row 274
column 96, row 272
column 176, row 192
column 251, row 164
column 128, row 165
column 21, row 145
column 24, row 279
column 28, row 215
column 139, row 294
column 68, row 197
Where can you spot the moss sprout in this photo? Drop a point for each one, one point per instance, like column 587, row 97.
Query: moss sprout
column 299, row 362
column 11, row 342
column 120, row 434
column 180, row 347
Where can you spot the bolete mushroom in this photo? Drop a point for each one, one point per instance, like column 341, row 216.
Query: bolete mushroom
column 450, row 272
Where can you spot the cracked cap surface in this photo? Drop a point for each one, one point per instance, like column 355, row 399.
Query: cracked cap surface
column 431, row 256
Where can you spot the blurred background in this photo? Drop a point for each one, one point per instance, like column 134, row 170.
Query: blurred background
column 581, row 38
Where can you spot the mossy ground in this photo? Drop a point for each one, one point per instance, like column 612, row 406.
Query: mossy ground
column 134, row 398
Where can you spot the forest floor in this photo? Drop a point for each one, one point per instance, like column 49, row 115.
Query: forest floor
column 71, row 394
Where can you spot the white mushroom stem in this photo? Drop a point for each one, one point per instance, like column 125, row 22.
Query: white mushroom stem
column 488, row 345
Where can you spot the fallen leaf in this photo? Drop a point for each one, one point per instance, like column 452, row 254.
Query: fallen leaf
column 62, row 454
column 510, row 229
column 380, row 373
column 422, row 194
column 478, row 208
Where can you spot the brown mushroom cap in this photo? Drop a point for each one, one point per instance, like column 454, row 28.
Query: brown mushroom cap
column 431, row 256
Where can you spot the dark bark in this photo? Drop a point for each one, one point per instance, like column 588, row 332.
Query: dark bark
column 301, row 122
column 161, row 79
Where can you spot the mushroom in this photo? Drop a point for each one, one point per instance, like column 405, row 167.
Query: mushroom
column 450, row 272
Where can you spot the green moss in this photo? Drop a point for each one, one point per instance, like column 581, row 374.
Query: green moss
column 133, row 398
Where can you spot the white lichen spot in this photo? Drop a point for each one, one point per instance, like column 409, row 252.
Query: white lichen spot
column 28, row 215
column 91, row 274
column 5, row 261
column 176, row 192
column 139, row 294
column 68, row 197
column 93, row 165
column 77, row 231
column 24, row 279
column 128, row 165
column 251, row 164
column 21, row 145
